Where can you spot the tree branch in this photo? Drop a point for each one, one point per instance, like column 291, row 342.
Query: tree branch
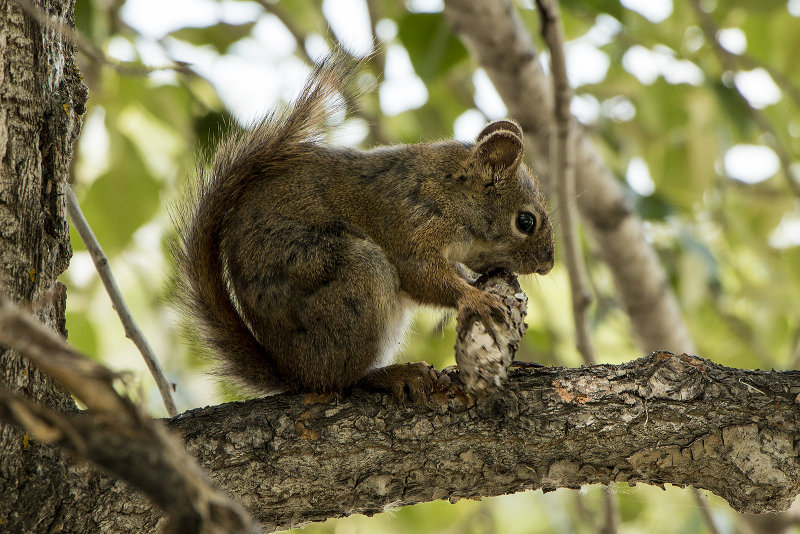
column 132, row 330
column 660, row 419
column 562, row 157
column 292, row 459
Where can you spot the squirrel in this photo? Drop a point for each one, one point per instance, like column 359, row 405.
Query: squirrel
column 298, row 263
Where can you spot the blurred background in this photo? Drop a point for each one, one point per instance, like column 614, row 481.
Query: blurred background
column 698, row 119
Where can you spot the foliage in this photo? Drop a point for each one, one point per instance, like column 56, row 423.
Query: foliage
column 731, row 246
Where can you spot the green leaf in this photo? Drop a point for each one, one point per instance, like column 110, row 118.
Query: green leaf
column 81, row 333
column 431, row 45
column 587, row 8
column 654, row 207
column 221, row 35
column 631, row 507
column 304, row 17
column 85, row 17
column 754, row 8
column 773, row 40
column 446, row 101
column 790, row 258
column 734, row 110
column 170, row 105
column 123, row 199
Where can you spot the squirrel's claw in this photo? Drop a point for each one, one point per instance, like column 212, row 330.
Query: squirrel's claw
column 488, row 308
column 404, row 381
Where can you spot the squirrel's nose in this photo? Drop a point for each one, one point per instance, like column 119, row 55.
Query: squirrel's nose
column 546, row 264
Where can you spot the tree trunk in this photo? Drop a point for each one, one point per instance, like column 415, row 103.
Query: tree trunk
column 41, row 98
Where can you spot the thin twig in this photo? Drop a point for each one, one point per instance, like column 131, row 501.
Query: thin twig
column 379, row 55
column 132, row 331
column 702, row 503
column 611, row 509
column 562, row 153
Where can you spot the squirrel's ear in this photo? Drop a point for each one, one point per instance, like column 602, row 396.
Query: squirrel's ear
column 505, row 124
column 501, row 150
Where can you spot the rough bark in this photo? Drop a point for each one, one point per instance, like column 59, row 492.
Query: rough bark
column 662, row 419
column 497, row 39
column 41, row 97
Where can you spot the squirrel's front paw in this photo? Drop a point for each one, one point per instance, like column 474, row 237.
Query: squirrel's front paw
column 403, row 380
column 489, row 308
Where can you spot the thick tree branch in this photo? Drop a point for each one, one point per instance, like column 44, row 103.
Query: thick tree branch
column 661, row 419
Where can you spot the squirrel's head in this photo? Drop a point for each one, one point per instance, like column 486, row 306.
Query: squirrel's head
column 510, row 226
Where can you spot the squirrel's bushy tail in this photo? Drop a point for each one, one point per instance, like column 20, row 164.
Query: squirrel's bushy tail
column 246, row 158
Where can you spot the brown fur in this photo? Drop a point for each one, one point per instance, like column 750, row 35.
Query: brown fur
column 298, row 261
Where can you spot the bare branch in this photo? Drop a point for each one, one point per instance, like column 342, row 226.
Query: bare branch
column 611, row 508
column 379, row 55
column 562, row 156
column 132, row 331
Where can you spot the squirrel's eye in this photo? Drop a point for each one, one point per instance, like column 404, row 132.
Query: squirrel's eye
column 526, row 222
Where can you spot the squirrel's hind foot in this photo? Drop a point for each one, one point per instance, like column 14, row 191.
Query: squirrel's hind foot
column 404, row 381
